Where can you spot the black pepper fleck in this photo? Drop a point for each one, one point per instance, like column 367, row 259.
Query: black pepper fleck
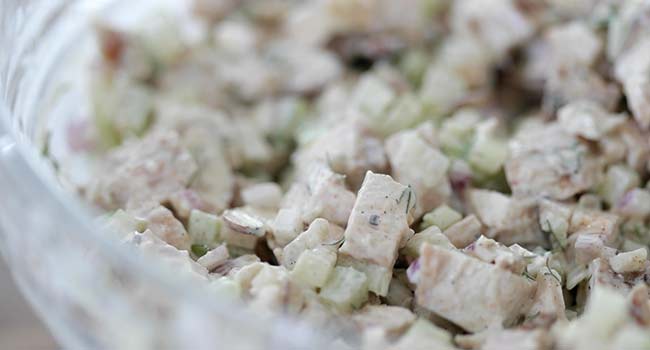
column 374, row 220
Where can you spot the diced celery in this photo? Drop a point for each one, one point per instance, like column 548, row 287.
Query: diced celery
column 199, row 250
column 488, row 155
column 618, row 180
column 204, row 228
column 414, row 64
column 432, row 235
column 346, row 288
column 423, row 329
column 372, row 95
column 226, row 288
column 590, row 201
column 399, row 294
column 124, row 223
column 121, row 108
column 404, row 113
column 457, row 132
column 378, row 276
column 632, row 261
column 443, row 217
column 236, row 251
column 314, row 267
column 489, row 150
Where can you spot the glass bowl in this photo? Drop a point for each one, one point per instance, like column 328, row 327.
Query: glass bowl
column 89, row 290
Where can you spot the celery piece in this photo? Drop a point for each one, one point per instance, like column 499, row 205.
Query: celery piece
column 199, row 250
column 443, row 217
column 457, row 132
column 345, row 289
column 123, row 222
column 225, row 288
column 372, row 95
column 314, row 267
column 432, row 235
column 378, row 276
column 414, row 65
column 488, row 155
column 424, row 332
column 204, row 228
column 405, row 112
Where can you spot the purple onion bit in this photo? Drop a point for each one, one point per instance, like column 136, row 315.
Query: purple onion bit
column 413, row 271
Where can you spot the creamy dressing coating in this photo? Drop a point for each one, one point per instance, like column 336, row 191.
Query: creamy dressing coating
column 430, row 174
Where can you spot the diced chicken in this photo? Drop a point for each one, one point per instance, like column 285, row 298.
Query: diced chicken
column 580, row 83
column 287, row 226
column 320, row 194
column 554, row 217
column 270, row 288
column 635, row 204
column 632, row 69
column 589, row 120
column 178, row 261
column 496, row 23
column 573, row 44
column 214, row 258
column 549, row 300
column 603, row 277
column 595, row 222
column 464, row 232
column 572, row 50
column 491, row 252
column 548, row 162
column 306, row 69
column 588, row 247
column 329, row 198
column 380, row 221
column 162, row 223
column 392, row 319
column 508, row 220
column 410, row 157
column 266, row 195
column 637, row 151
column 354, row 152
column 634, row 261
column 473, row 294
column 152, row 168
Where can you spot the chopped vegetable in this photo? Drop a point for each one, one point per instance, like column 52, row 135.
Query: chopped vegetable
column 346, row 288
column 442, row 217
column 204, row 228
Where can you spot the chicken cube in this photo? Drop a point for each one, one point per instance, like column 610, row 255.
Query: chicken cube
column 473, row 294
